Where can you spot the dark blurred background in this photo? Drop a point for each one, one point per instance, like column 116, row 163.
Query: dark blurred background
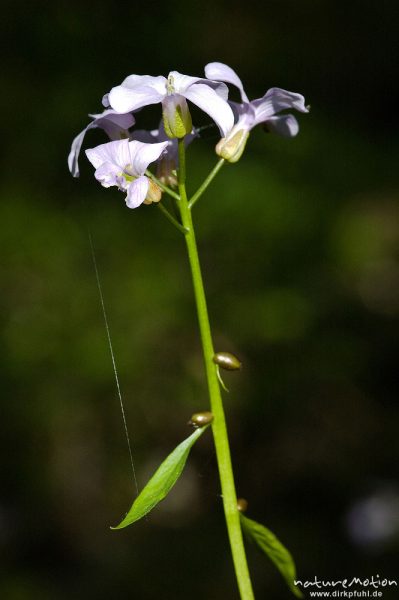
column 299, row 244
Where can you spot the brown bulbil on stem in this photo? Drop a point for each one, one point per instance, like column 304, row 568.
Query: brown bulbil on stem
column 200, row 419
column 227, row 361
column 242, row 505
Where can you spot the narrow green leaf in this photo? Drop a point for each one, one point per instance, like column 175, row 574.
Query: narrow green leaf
column 274, row 549
column 162, row 481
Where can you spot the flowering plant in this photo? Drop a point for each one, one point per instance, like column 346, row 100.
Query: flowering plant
column 124, row 162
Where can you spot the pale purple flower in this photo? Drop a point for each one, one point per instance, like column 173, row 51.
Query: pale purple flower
column 137, row 91
column 123, row 164
column 115, row 125
column 251, row 113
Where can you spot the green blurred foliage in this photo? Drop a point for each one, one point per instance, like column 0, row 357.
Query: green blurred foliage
column 299, row 246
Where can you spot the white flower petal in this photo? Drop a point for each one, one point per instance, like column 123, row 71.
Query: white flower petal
column 157, row 83
column 75, row 150
column 275, row 100
column 211, row 103
column 107, row 174
column 141, row 155
column 109, row 119
column 116, row 153
column 220, row 72
column 123, row 98
column 220, row 88
column 137, row 191
column 114, row 124
column 285, row 125
column 244, row 115
column 181, row 82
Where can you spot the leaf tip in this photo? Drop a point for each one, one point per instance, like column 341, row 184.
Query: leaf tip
column 297, row 592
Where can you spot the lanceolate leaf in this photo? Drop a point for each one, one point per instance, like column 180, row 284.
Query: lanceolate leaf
column 162, row 481
column 274, row 549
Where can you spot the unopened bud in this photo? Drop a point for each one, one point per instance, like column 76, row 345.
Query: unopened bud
column 176, row 116
column 227, row 361
column 154, row 193
column 166, row 172
column 242, row 505
column 231, row 147
column 200, row 419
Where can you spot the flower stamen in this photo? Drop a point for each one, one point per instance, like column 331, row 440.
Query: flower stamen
column 170, row 85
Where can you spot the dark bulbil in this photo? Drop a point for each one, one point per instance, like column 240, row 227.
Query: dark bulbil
column 227, row 361
column 200, row 419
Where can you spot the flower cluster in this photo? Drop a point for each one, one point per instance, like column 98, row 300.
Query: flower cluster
column 123, row 161
column 250, row 113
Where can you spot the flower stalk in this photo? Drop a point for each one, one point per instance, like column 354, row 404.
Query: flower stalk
column 219, row 427
column 171, row 218
column 207, row 181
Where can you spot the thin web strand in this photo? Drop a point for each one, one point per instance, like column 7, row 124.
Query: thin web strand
column 118, row 387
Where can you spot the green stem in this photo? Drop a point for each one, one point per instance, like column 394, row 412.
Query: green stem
column 207, row 181
column 163, row 187
column 219, row 428
column 171, row 218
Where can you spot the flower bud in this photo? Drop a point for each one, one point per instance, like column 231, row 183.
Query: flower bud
column 154, row 193
column 166, row 172
column 231, row 147
column 201, row 419
column 227, row 361
column 242, row 505
column 176, row 116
